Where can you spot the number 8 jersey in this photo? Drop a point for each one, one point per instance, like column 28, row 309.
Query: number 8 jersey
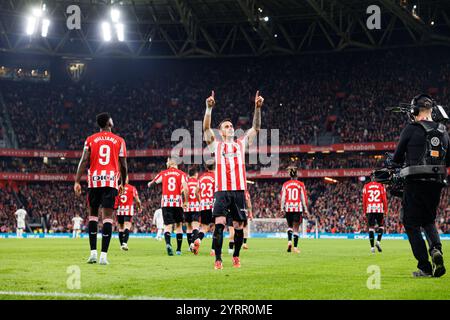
column 374, row 198
column 105, row 148
column 172, row 181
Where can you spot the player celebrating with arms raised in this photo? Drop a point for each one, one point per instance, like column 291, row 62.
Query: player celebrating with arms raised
column 294, row 203
column 174, row 185
column 106, row 153
column 230, row 176
column 374, row 208
column 125, row 213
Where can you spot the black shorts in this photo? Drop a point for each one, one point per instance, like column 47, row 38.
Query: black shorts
column 192, row 216
column 105, row 197
column 292, row 217
column 206, row 217
column 230, row 202
column 375, row 218
column 123, row 219
column 172, row 215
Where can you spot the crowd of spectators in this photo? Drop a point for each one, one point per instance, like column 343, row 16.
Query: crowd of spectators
column 154, row 165
column 335, row 207
column 343, row 94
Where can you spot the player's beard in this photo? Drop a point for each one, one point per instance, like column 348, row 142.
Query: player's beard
column 228, row 135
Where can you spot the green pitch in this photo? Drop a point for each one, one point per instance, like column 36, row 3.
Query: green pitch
column 325, row 269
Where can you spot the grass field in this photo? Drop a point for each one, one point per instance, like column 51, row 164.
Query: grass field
column 325, row 269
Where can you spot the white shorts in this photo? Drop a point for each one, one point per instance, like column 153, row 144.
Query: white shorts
column 160, row 226
column 20, row 225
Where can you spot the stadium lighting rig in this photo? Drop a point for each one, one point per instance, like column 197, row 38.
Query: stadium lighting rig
column 37, row 19
column 113, row 23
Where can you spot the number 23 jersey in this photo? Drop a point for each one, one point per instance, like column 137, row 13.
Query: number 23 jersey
column 105, row 148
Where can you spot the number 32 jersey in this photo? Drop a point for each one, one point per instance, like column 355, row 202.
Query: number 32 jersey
column 374, row 198
column 105, row 148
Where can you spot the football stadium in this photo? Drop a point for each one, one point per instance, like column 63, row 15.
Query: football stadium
column 269, row 144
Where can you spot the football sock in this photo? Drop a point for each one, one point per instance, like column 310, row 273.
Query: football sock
column 121, row 237
column 295, row 240
column 126, row 235
column 179, row 241
column 371, row 238
column 289, row 235
column 380, row 234
column 106, row 234
column 218, row 240
column 167, row 237
column 238, row 239
column 92, row 228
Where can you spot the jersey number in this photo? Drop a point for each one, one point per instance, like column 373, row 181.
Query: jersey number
column 374, row 196
column 105, row 155
column 123, row 198
column 208, row 189
column 293, row 194
column 192, row 194
column 172, row 184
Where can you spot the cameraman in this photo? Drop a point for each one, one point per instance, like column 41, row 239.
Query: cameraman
column 423, row 147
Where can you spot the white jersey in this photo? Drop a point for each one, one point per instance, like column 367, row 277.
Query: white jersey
column 158, row 219
column 77, row 222
column 20, row 215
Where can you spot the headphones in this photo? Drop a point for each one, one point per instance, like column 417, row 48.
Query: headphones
column 415, row 105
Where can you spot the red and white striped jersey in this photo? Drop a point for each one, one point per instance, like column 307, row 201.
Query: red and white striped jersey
column 293, row 196
column 206, row 185
column 374, row 198
column 172, row 181
column 126, row 200
column 193, row 203
column 105, row 148
column 230, row 172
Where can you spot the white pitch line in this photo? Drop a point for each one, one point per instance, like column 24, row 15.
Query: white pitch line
column 86, row 295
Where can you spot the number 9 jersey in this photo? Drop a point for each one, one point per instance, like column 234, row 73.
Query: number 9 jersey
column 105, row 148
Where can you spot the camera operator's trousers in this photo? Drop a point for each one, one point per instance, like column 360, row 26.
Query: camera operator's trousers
column 419, row 208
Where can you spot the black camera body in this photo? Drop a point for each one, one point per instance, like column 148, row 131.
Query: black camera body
column 390, row 176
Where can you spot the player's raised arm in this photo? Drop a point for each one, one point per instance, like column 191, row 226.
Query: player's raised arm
column 157, row 179
column 81, row 168
column 256, row 126
column 208, row 132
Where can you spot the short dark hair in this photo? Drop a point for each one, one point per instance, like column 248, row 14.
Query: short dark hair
column 292, row 172
column 102, row 119
column 210, row 165
column 225, row 120
column 192, row 171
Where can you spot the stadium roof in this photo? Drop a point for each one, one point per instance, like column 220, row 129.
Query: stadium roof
column 226, row 28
